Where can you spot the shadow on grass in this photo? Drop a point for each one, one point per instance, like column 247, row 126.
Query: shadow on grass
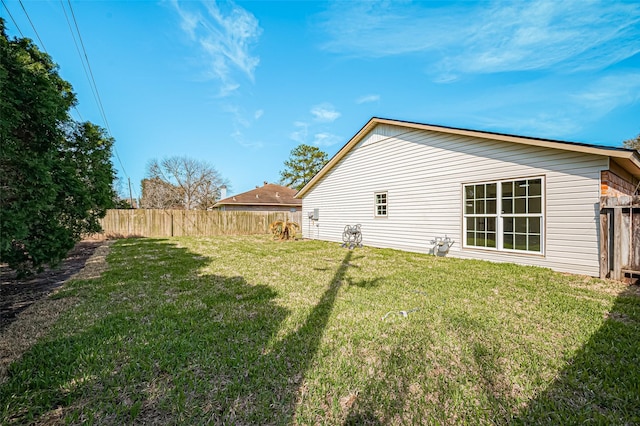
column 283, row 369
column 156, row 342
column 601, row 383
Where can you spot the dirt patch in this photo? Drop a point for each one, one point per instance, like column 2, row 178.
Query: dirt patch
column 26, row 311
column 18, row 295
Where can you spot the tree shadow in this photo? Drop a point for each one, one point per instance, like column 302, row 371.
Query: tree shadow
column 159, row 355
column 601, row 382
column 279, row 375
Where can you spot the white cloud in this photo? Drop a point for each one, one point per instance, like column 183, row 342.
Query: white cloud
column 560, row 110
column 325, row 139
column 546, row 125
column 488, row 37
column 239, row 119
column 610, row 92
column 241, row 140
column 300, row 134
column 241, row 123
column 368, row 98
column 224, row 39
column 325, row 113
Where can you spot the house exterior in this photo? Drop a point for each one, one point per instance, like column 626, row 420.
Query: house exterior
column 499, row 197
column 267, row 198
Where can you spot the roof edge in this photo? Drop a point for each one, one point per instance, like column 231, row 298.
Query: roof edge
column 630, row 155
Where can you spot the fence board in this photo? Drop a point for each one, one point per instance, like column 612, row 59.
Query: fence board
column 619, row 237
column 195, row 223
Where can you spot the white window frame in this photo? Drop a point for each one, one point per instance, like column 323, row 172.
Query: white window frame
column 378, row 205
column 500, row 215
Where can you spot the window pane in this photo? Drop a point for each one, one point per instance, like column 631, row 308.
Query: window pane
column 507, row 206
column 521, row 224
column 534, row 242
column 491, row 190
column 507, row 189
column 535, row 187
column 508, row 241
column 468, row 207
column 519, row 210
column 468, row 192
column 471, row 224
column 491, row 239
column 534, row 225
column 535, row 205
column 491, row 206
column 471, row 239
column 508, row 224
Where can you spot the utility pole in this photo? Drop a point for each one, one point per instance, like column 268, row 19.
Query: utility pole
column 130, row 195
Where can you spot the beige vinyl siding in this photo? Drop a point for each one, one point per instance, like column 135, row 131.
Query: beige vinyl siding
column 423, row 171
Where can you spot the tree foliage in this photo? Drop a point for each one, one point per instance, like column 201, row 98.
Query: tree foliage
column 55, row 174
column 304, row 162
column 181, row 182
column 633, row 143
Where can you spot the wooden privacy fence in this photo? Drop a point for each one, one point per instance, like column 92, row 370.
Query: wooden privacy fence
column 195, row 223
column 619, row 237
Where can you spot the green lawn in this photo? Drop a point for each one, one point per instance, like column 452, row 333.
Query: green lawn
column 245, row 330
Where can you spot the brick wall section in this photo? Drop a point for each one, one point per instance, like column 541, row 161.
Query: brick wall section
column 613, row 185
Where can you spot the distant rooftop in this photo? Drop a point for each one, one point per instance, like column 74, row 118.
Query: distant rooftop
column 269, row 194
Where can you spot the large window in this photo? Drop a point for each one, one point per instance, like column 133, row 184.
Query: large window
column 381, row 204
column 504, row 215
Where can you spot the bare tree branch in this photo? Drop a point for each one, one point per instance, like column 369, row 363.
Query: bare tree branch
column 181, row 181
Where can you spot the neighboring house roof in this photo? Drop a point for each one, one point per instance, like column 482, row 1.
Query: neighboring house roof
column 268, row 195
column 629, row 159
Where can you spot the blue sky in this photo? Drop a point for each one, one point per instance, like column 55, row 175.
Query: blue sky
column 239, row 85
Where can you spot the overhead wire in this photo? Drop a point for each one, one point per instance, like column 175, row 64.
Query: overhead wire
column 37, row 35
column 92, row 81
column 12, row 20
column 75, row 42
column 34, row 27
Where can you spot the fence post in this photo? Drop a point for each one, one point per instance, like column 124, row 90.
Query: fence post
column 604, row 240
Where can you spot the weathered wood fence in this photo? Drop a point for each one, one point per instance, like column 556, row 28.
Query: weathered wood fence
column 195, row 223
column 619, row 237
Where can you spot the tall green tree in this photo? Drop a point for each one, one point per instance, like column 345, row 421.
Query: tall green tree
column 633, row 143
column 55, row 174
column 304, row 162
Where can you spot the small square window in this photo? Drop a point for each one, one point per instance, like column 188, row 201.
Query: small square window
column 381, row 204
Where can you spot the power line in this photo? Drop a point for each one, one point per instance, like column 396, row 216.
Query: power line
column 75, row 42
column 34, row 28
column 37, row 35
column 12, row 20
column 92, row 82
column 95, row 86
